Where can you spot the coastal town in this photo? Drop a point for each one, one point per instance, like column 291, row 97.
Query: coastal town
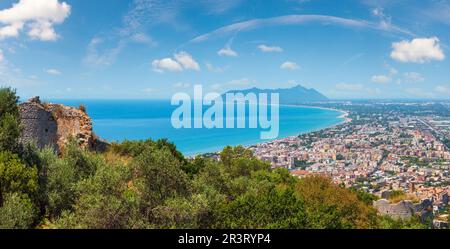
column 381, row 148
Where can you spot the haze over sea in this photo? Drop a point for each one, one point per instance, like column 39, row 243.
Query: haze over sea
column 118, row 120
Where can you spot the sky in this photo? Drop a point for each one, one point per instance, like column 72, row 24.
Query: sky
column 151, row 49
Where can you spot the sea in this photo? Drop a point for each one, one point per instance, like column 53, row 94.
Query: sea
column 119, row 120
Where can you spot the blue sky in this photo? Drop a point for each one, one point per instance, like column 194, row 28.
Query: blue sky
column 141, row 49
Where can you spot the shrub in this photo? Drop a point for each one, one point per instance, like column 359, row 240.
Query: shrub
column 158, row 176
column 17, row 212
column 17, row 177
column 330, row 206
column 9, row 132
column 60, row 179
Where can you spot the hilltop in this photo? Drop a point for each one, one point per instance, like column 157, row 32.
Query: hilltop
column 290, row 96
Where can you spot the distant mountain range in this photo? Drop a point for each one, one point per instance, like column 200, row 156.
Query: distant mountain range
column 289, row 96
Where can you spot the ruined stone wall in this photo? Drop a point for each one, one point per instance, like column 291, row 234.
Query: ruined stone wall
column 401, row 210
column 54, row 124
column 72, row 123
column 404, row 209
column 38, row 125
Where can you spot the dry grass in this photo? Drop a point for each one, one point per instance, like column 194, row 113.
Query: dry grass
column 404, row 197
column 113, row 158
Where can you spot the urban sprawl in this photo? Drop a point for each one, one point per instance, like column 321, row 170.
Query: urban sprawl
column 388, row 149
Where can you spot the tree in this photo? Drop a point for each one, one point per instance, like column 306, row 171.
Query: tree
column 9, row 132
column 277, row 208
column 8, row 102
column 107, row 199
column 59, row 179
column 158, row 176
column 17, row 212
column 9, row 119
column 239, row 161
column 17, row 177
column 387, row 222
column 330, row 206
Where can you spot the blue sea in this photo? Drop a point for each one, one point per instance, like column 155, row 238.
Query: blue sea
column 118, row 120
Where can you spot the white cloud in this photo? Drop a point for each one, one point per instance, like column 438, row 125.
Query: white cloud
column 378, row 12
column 350, row 87
column 53, row 71
column 419, row 92
column 166, row 64
column 2, row 56
column 37, row 16
column 296, row 20
column 99, row 55
column 381, row 79
column 142, row 38
column 215, row 69
column 442, row 89
column 182, row 61
column 227, row 51
column 392, row 71
column 268, row 49
column 182, row 85
column 419, row 50
column 187, row 61
column 233, row 84
column 413, row 77
column 289, row 65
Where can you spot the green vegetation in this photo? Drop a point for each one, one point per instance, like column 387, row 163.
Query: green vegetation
column 412, row 223
column 149, row 184
column 9, row 119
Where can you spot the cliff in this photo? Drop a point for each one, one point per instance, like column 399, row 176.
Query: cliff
column 54, row 124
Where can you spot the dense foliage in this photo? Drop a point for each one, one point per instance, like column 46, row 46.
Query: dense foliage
column 149, row 184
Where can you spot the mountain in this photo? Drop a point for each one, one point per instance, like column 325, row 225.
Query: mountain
column 289, row 96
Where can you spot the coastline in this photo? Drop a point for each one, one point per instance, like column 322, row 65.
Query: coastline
column 337, row 117
column 344, row 116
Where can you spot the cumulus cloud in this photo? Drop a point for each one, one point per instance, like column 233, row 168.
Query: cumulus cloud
column 39, row 17
column 419, row 50
column 166, row 64
column 53, row 71
column 381, row 79
column 442, row 89
column 227, row 51
column 181, row 61
column 289, row 65
column 268, row 49
column 187, row 61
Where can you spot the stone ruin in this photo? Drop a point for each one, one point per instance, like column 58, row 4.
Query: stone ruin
column 405, row 209
column 54, row 124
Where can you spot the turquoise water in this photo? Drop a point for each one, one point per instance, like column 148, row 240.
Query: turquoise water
column 117, row 120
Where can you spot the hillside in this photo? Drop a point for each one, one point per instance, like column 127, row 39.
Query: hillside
column 290, row 96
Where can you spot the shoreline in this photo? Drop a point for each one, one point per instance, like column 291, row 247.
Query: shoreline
column 344, row 116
